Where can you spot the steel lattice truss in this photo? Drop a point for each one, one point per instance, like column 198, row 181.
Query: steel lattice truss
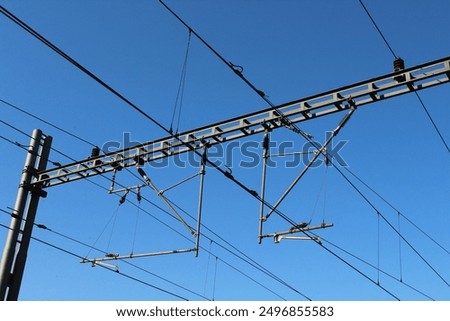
column 359, row 94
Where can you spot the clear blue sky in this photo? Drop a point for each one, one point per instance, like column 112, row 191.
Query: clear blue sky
column 289, row 49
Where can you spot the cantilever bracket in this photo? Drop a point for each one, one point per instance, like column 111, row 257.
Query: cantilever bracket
column 160, row 194
column 320, row 151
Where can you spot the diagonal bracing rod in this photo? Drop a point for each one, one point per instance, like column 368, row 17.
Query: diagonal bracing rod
column 149, row 182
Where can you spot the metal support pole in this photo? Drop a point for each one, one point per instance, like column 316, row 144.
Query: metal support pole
column 36, row 194
column 263, row 183
column 16, row 220
column 200, row 199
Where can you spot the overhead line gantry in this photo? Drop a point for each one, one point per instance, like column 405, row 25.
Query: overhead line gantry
column 366, row 92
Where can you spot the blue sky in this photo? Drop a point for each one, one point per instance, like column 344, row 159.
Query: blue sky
column 289, row 49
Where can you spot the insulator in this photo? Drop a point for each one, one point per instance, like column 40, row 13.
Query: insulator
column 326, row 157
column 399, row 64
column 95, row 152
column 138, row 195
column 124, row 197
column 112, row 255
column 266, row 142
column 117, row 166
column 139, row 160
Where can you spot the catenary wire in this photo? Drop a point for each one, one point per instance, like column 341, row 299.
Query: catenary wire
column 241, row 255
column 317, row 146
column 293, row 224
column 253, row 279
column 400, row 256
column 359, row 179
column 44, row 227
column 225, row 173
column 46, row 122
column 238, row 71
column 215, row 279
column 45, row 41
column 15, row 143
column 353, row 267
column 378, row 29
column 391, row 226
column 230, row 65
column 53, row 47
column 181, row 86
column 222, row 260
column 238, row 269
column 424, row 107
column 373, row 266
column 207, row 267
column 280, row 280
column 13, row 127
column 251, row 192
column 207, row 251
column 244, row 257
column 30, row 137
column 140, row 111
column 270, row 274
column 384, row 218
column 336, row 256
column 225, row 262
column 228, row 264
column 35, row 34
column 118, row 272
column 378, row 248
